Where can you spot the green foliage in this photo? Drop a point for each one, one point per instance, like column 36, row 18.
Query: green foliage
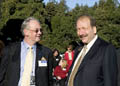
column 59, row 23
column 108, row 22
column 12, row 9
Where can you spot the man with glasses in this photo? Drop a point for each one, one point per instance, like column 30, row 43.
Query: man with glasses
column 27, row 63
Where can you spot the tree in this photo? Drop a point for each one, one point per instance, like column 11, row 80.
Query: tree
column 59, row 22
column 107, row 14
column 21, row 9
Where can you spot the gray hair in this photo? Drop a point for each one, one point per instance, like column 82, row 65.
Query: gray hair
column 25, row 24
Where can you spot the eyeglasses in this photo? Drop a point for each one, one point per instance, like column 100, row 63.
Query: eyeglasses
column 36, row 31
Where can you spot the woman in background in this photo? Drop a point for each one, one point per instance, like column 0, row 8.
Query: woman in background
column 56, row 58
column 69, row 55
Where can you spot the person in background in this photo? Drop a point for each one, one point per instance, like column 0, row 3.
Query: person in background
column 56, row 58
column 61, row 72
column 27, row 63
column 69, row 55
column 95, row 62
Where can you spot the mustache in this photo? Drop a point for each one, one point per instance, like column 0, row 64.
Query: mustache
column 81, row 36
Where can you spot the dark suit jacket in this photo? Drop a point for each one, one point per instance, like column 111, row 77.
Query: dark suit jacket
column 99, row 66
column 10, row 66
column 118, row 61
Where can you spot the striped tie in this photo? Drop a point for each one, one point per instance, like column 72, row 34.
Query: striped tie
column 74, row 71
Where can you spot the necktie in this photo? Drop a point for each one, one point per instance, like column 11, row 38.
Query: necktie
column 27, row 68
column 74, row 71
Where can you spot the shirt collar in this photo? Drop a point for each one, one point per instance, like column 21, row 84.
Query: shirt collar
column 27, row 46
column 89, row 45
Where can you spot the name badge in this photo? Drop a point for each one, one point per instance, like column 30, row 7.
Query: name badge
column 42, row 63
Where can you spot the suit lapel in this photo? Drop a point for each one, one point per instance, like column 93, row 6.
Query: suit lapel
column 77, row 51
column 38, row 55
column 90, row 54
column 16, row 62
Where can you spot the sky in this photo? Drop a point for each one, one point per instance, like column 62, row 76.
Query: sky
column 72, row 3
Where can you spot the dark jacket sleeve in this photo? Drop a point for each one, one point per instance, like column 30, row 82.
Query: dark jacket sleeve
column 3, row 65
column 6, row 55
column 110, row 67
column 50, row 66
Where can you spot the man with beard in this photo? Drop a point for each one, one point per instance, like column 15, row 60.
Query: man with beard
column 27, row 63
column 95, row 62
